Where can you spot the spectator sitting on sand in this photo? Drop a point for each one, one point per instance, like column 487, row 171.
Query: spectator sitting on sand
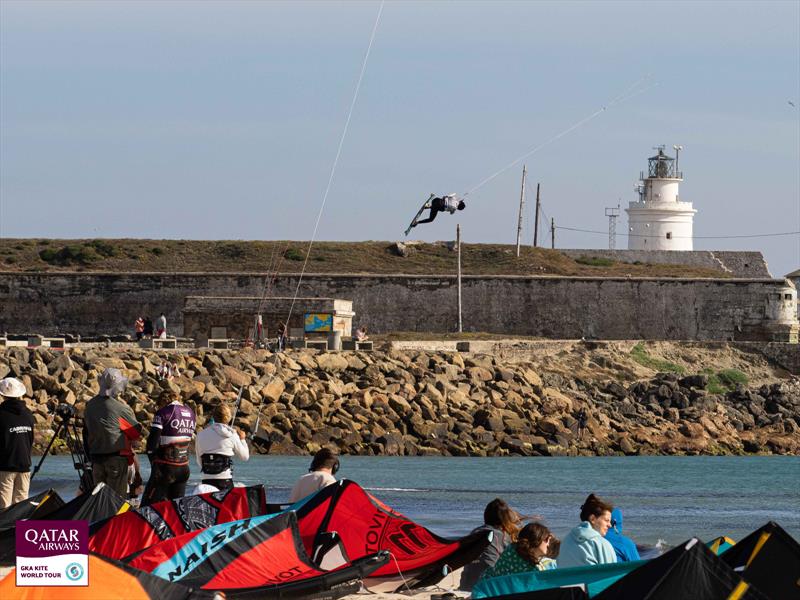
column 502, row 522
column 531, row 552
column 321, row 474
column 585, row 544
column 624, row 546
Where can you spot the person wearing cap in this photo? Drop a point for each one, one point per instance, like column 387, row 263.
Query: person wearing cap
column 109, row 427
column 16, row 442
column 321, row 473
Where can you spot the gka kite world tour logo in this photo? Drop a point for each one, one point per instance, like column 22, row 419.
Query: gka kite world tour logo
column 52, row 553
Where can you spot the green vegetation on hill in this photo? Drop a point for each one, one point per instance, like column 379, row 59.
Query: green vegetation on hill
column 640, row 355
column 134, row 255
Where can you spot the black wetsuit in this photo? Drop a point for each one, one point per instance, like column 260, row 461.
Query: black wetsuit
column 437, row 206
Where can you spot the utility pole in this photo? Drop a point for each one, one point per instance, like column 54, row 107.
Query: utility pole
column 536, row 219
column 612, row 214
column 553, row 233
column 458, row 245
column 521, row 204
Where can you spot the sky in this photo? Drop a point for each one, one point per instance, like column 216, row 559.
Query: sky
column 222, row 120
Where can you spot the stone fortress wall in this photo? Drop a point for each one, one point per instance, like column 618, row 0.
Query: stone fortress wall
column 552, row 307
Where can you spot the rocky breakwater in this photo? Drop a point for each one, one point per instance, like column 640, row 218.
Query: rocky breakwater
column 420, row 403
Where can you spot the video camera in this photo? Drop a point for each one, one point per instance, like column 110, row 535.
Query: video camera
column 65, row 411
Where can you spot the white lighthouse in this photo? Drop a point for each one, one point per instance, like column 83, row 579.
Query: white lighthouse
column 660, row 220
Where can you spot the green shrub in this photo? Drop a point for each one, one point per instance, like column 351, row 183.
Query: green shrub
column 10, row 260
column 102, row 247
column 594, row 261
column 293, row 254
column 640, row 355
column 157, row 250
column 44, row 242
column 70, row 255
column 732, row 377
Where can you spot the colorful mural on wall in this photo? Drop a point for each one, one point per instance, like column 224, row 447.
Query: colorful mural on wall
column 318, row 322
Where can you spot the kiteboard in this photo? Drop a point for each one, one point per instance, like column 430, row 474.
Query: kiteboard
column 426, row 205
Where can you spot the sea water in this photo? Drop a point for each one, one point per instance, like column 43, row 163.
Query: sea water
column 663, row 498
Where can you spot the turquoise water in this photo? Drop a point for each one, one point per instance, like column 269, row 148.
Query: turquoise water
column 662, row 497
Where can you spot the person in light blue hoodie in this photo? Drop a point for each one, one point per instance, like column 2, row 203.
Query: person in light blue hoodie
column 585, row 544
column 624, row 546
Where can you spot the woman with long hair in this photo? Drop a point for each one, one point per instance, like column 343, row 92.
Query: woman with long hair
column 534, row 550
column 501, row 522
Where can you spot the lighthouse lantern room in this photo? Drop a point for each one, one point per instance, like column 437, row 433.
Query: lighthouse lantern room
column 659, row 219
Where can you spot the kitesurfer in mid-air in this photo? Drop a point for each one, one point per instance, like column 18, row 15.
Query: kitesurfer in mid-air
column 449, row 203
column 168, row 449
column 216, row 446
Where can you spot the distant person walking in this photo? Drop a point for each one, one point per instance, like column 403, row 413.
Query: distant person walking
column 283, row 335
column 583, row 419
column 16, row 442
column 161, row 327
column 138, row 328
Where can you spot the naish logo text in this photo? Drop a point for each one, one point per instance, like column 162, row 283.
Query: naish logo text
column 202, row 550
column 54, row 540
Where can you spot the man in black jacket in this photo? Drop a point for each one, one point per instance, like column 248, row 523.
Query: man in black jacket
column 16, row 441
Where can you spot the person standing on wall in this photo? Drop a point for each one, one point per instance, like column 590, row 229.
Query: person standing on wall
column 16, row 442
column 161, row 326
column 109, row 428
column 168, row 449
column 138, row 328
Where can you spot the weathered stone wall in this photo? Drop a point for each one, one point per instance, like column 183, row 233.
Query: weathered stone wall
column 554, row 307
column 735, row 263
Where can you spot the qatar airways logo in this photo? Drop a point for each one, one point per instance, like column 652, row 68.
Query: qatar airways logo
column 52, row 553
column 63, row 540
column 182, row 424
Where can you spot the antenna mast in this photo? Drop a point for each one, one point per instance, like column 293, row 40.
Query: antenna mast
column 612, row 213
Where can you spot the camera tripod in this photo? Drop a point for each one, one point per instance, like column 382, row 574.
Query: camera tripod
column 73, row 439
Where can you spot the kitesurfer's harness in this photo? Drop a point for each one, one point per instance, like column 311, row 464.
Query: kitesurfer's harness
column 214, row 464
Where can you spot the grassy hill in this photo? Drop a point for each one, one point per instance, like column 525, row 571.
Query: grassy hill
column 34, row 255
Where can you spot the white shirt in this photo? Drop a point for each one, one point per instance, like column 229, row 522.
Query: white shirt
column 310, row 483
column 219, row 438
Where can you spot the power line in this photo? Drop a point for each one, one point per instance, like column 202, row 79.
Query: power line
column 695, row 237
column 630, row 92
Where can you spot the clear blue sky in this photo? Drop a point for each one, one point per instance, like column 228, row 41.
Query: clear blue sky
column 220, row 120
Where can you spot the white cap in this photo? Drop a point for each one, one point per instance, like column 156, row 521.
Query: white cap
column 12, row 387
column 112, row 382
